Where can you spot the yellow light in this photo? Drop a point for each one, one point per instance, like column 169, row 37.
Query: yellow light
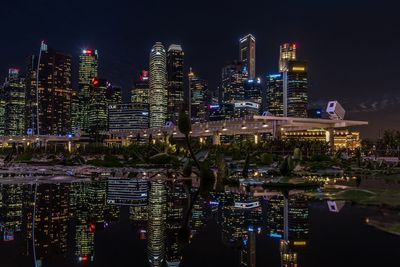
column 299, row 243
column 298, row 68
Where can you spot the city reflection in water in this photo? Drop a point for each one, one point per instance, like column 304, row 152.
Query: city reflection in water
column 61, row 221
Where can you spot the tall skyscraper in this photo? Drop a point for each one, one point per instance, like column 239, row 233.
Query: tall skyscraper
column 274, row 84
column 233, row 76
column 13, row 99
column 247, row 54
column 198, row 97
column 158, row 85
column 140, row 91
column 88, row 69
column 295, row 89
column 98, row 106
column 287, row 53
column 156, row 224
column 254, row 92
column 54, row 92
column 175, row 57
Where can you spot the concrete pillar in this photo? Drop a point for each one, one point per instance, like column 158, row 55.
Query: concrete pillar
column 276, row 130
column 216, row 138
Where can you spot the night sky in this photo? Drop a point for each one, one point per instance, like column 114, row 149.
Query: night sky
column 352, row 46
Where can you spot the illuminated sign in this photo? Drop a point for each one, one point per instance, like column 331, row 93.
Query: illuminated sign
column 215, row 106
column 299, row 243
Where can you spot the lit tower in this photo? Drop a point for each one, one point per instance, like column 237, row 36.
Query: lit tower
column 175, row 57
column 88, row 69
column 158, row 85
column 287, row 53
column 247, row 54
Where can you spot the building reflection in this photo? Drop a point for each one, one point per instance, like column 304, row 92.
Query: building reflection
column 156, row 223
column 11, row 200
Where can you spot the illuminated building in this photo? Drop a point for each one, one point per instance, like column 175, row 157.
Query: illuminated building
column 127, row 192
column 247, row 54
column 198, row 97
column 287, row 53
column 98, row 106
column 233, row 76
column 55, row 92
column 342, row 138
column 158, row 86
column 175, row 57
column 140, row 92
column 253, row 92
column 298, row 218
column 242, row 109
column 275, row 216
column 88, row 69
column 177, row 201
column 156, row 224
column 114, row 95
column 126, row 117
column 13, row 99
column 274, row 84
column 295, row 89
column 139, row 216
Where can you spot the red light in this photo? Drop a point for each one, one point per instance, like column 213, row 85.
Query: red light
column 84, row 258
column 92, row 227
column 95, row 81
column 294, row 46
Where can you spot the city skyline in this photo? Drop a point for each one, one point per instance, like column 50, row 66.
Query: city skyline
column 332, row 47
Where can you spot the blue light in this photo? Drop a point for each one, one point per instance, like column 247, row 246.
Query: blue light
column 275, row 235
column 251, row 228
column 250, row 81
column 214, row 203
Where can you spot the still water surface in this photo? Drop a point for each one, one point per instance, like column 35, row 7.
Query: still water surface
column 136, row 223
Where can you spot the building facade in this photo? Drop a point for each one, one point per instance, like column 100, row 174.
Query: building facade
column 287, row 53
column 175, row 59
column 274, row 98
column 158, row 85
column 140, row 91
column 295, row 89
column 126, row 117
column 13, row 104
column 198, row 97
column 247, row 54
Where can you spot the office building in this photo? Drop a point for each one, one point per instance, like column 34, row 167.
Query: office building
column 140, row 91
column 295, row 89
column 254, row 92
column 247, row 54
column 158, row 86
column 287, row 53
column 198, row 97
column 13, row 104
column 233, row 76
column 274, row 94
column 98, row 106
column 54, row 93
column 88, row 70
column 127, row 117
column 175, row 57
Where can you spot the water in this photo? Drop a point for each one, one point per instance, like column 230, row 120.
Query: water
column 136, row 223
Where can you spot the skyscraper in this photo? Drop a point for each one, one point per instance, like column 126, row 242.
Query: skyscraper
column 295, row 89
column 140, row 91
column 54, row 92
column 287, row 53
column 254, row 92
column 274, row 84
column 175, row 57
column 158, row 85
column 98, row 106
column 233, row 76
column 13, row 98
column 247, row 54
column 198, row 97
column 88, row 69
